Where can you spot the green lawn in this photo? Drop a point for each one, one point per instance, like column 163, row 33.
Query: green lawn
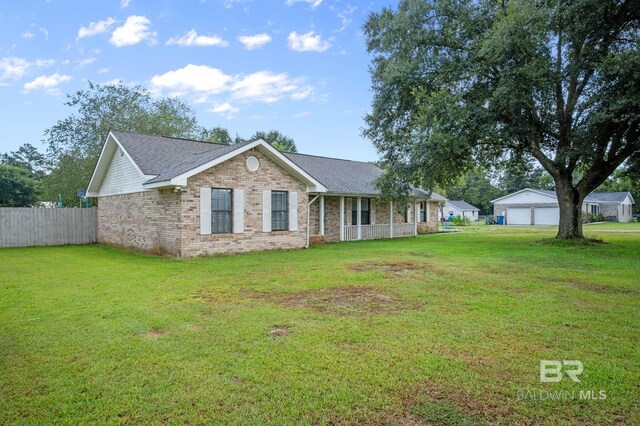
column 439, row 329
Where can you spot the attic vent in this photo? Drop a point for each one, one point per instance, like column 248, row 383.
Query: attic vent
column 253, row 164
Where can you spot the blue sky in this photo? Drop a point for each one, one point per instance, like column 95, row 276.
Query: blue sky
column 298, row 66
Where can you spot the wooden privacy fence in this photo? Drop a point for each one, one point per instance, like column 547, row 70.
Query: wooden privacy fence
column 24, row 226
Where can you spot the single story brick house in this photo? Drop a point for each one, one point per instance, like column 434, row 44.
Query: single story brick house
column 540, row 207
column 189, row 198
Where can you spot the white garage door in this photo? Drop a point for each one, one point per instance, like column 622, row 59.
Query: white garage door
column 519, row 216
column 547, row 215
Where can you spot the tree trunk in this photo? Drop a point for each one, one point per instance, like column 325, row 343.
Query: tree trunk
column 570, row 203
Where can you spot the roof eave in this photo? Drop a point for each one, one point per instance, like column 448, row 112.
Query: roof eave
column 522, row 190
column 181, row 180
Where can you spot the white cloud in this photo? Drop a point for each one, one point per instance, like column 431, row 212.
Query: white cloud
column 86, row 61
column 308, row 42
column 312, row 3
column 49, row 83
column 302, row 94
column 27, row 35
column 113, row 82
column 228, row 4
column 95, row 28
column 133, row 31
column 193, row 39
column 345, row 17
column 45, row 31
column 265, row 86
column 254, row 41
column 104, row 70
column 15, row 68
column 211, row 85
column 302, row 114
column 200, row 78
column 225, row 109
column 125, row 3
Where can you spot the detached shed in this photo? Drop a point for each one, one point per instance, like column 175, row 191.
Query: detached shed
column 460, row 208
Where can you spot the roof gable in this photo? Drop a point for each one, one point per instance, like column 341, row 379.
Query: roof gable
column 109, row 149
column 528, row 195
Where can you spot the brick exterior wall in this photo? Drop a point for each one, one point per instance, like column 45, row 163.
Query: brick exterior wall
column 233, row 174
column 432, row 221
column 147, row 221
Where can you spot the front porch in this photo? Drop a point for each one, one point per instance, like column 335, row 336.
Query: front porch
column 379, row 231
column 344, row 218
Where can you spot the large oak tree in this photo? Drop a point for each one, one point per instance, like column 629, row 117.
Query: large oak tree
column 459, row 83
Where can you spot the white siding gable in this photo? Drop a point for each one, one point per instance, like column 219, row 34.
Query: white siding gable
column 526, row 197
column 121, row 177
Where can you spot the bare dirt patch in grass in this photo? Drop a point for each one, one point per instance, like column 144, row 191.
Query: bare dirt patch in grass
column 337, row 301
column 436, row 404
column 154, row 333
column 393, row 268
column 279, row 331
column 599, row 288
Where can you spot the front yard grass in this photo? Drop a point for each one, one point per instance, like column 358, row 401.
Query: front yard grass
column 439, row 329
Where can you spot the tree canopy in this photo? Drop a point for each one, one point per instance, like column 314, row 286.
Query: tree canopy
column 18, row 188
column 277, row 140
column 216, row 135
column 459, row 84
column 74, row 143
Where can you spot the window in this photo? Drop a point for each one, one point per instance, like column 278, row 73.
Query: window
column 423, row 211
column 279, row 210
column 221, row 211
column 595, row 209
column 365, row 211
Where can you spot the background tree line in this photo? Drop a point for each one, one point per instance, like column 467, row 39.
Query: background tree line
column 73, row 144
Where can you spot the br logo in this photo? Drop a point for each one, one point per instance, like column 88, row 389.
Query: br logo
column 551, row 371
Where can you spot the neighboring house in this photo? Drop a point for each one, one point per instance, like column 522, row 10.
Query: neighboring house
column 540, row 207
column 189, row 198
column 460, row 208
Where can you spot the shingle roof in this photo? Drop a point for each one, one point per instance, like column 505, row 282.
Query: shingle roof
column 608, row 197
column 346, row 176
column 462, row 205
column 156, row 155
column 196, row 161
column 170, row 157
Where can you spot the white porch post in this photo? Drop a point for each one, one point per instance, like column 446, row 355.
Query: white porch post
column 416, row 214
column 359, row 218
column 341, row 218
column 390, row 219
column 321, row 215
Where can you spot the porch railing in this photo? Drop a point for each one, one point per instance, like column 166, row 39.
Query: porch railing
column 377, row 231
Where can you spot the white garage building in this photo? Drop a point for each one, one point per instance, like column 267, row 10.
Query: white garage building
column 540, row 207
